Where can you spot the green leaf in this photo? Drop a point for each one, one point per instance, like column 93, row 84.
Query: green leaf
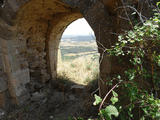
column 114, row 100
column 114, row 94
column 157, row 115
column 142, row 118
column 79, row 118
column 111, row 110
column 98, row 100
column 104, row 114
column 158, row 4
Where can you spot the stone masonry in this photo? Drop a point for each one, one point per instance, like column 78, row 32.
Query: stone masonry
column 30, row 32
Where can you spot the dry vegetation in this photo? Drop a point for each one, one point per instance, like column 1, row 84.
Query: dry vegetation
column 78, row 61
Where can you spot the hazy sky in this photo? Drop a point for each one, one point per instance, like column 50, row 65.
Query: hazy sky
column 78, row 27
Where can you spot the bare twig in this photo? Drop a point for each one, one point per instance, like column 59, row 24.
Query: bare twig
column 100, row 107
column 94, row 91
column 126, row 13
column 139, row 14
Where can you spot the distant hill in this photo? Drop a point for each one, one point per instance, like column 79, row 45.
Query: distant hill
column 77, row 38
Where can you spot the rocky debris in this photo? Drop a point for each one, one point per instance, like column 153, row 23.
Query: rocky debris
column 37, row 96
column 52, row 104
column 58, row 97
column 72, row 97
column 51, row 117
column 35, row 86
column 2, row 113
column 77, row 88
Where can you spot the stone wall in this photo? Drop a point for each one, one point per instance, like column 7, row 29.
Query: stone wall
column 35, row 23
column 30, row 32
column 3, row 81
column 14, row 67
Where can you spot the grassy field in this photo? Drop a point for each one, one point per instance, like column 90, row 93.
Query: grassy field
column 78, row 61
column 71, row 50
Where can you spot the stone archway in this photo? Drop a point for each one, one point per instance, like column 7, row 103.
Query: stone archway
column 34, row 29
column 26, row 27
column 54, row 40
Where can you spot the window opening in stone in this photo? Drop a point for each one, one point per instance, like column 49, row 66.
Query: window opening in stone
column 78, row 58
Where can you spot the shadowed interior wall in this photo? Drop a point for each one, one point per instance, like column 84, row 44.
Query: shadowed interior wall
column 30, row 31
column 31, row 43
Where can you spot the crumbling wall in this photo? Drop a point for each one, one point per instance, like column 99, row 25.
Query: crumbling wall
column 34, row 22
column 3, row 81
column 30, row 31
column 14, row 69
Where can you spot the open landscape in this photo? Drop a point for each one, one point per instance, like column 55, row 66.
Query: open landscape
column 78, row 59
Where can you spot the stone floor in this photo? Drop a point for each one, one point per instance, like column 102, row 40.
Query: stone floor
column 53, row 104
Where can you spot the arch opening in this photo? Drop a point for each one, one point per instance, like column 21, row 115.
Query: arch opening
column 54, row 40
column 78, row 58
column 38, row 29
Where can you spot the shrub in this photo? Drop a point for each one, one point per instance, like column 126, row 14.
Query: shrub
column 142, row 46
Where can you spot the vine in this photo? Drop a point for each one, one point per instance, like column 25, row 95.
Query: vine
column 141, row 82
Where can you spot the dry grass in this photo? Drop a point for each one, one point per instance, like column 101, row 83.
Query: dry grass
column 81, row 70
column 78, row 61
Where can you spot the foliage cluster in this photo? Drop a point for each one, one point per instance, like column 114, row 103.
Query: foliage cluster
column 141, row 81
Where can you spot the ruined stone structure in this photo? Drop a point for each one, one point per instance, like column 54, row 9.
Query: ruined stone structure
column 30, row 32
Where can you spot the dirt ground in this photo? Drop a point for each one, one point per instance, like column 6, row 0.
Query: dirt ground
column 55, row 104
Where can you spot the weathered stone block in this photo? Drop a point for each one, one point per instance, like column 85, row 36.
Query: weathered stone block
column 3, row 84
column 2, row 99
column 23, row 99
